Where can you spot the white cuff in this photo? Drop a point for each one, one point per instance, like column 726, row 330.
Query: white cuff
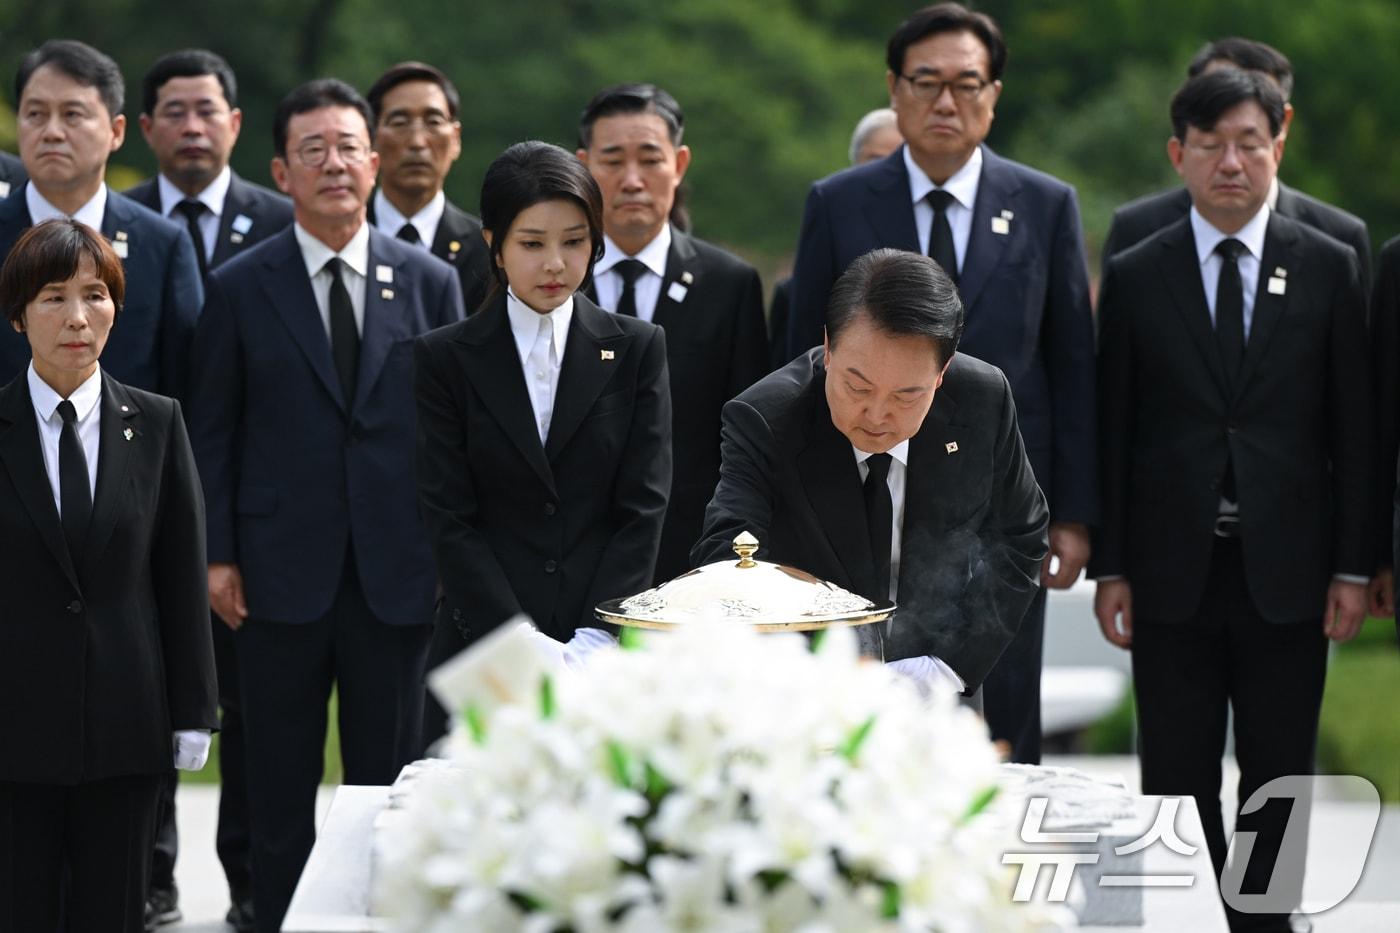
column 926, row 672
column 191, row 748
column 584, row 643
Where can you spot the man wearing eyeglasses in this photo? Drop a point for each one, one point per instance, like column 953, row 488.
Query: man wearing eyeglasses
column 418, row 138
column 191, row 122
column 302, row 421
column 1010, row 237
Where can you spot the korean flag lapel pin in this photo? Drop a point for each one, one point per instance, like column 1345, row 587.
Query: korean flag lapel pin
column 951, row 447
column 1001, row 224
column 120, row 243
column 1278, row 282
column 606, row 355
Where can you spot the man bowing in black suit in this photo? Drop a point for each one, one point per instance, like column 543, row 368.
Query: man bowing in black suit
column 418, row 137
column 709, row 302
column 1237, row 461
column 886, row 464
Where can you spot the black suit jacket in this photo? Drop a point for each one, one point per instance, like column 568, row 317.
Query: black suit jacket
column 1385, row 343
column 974, row 531
column 716, row 348
column 150, row 343
column 1137, row 220
column 12, row 174
column 549, row 530
column 458, row 241
column 265, row 212
column 1298, row 426
column 102, row 657
column 779, row 313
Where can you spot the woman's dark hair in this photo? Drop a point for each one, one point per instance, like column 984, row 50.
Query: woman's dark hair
column 531, row 173
column 51, row 252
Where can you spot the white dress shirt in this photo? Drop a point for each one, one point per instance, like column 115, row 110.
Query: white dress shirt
column 540, row 340
column 962, row 186
column 84, row 398
column 356, row 272
column 1252, row 236
column 212, row 197
column 926, row 670
column 646, row 290
column 90, row 213
column 389, row 220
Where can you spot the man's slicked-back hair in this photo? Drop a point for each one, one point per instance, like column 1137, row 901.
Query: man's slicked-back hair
column 1203, row 100
column 81, row 62
column 902, row 294
column 948, row 17
column 313, row 95
column 187, row 63
column 404, row 72
column 631, row 98
column 1249, row 55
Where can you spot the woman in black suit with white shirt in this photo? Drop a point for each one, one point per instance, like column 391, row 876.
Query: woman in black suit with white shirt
column 544, row 424
column 106, row 665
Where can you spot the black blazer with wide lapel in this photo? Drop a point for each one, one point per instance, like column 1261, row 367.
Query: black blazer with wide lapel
column 974, row 529
column 250, row 215
column 1296, row 427
column 548, row 529
column 106, row 654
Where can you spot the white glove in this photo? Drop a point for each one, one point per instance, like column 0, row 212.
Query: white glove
column 584, row 643
column 191, row 748
column 928, row 674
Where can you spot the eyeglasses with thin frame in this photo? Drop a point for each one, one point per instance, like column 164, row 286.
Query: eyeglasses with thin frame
column 315, row 153
column 965, row 89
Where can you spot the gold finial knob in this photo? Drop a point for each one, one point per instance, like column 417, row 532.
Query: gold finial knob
column 745, row 545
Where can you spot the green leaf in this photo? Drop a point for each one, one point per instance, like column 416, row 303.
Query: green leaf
column 851, row 747
column 630, row 638
column 657, row 784
column 476, row 725
column 547, row 707
column 619, row 763
column 889, row 908
column 814, row 644
column 980, row 803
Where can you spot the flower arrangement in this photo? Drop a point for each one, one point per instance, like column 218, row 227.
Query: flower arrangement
column 711, row 779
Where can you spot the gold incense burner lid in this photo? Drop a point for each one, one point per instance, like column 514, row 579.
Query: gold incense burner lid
column 769, row 597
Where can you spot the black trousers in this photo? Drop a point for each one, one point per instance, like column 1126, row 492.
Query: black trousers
column 1271, row 675
column 1011, row 692
column 286, row 674
column 79, row 852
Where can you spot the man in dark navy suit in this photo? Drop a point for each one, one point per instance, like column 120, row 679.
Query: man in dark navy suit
column 418, row 138
column 709, row 301
column 1010, row 237
column 12, row 174
column 70, row 121
column 190, row 119
column 303, row 428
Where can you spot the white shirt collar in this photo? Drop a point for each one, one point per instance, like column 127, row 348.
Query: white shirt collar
column 316, row 254
column 653, row 255
column 388, row 219
column 211, row 197
column 1251, row 234
column 90, row 213
column 525, row 323
column 899, row 452
column 962, row 185
column 84, row 397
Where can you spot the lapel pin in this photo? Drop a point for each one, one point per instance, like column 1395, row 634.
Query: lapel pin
column 119, row 247
column 951, row 447
column 384, row 274
column 235, row 238
column 128, row 433
column 242, row 224
column 605, row 354
column 386, row 293
column 121, row 235
column 125, row 408
column 687, row 278
column 677, row 292
column 1007, row 214
column 1281, row 272
column 454, row 247
column 1277, row 286
column 4, row 189
column 1001, row 226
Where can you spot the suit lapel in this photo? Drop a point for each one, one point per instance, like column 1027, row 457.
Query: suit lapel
column 493, row 366
column 235, row 206
column 450, row 240
column 114, row 450
column 585, row 370
column 386, row 317
column 287, row 288
column 117, row 222
column 681, row 272
column 890, row 209
column 23, row 458
column 827, row 465
column 1279, row 244
column 1181, row 272
column 997, row 191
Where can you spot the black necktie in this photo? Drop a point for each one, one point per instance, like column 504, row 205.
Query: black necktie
column 345, row 338
column 193, row 210
column 629, row 269
column 409, row 234
column 879, row 516
column 1229, row 309
column 74, row 491
column 940, row 236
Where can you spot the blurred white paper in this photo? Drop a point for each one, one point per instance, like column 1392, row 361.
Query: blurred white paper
column 504, row 667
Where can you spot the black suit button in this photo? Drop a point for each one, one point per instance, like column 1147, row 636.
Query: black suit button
column 75, row 607
column 550, row 566
column 549, row 508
